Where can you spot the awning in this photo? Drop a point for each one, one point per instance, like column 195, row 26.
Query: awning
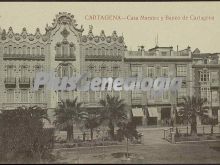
column 137, row 112
column 152, row 112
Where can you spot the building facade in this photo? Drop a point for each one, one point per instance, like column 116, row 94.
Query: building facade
column 65, row 49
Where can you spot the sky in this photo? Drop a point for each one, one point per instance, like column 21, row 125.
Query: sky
column 202, row 34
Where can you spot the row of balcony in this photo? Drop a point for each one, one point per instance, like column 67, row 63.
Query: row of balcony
column 10, row 82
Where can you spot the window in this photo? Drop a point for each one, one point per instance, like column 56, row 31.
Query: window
column 115, row 51
column 86, row 51
column 164, row 71
column 103, row 51
column 10, row 96
column 136, row 70
column 95, row 53
column 24, row 96
column 19, row 50
column 28, row 50
column 150, row 71
column 214, row 77
column 103, row 71
column 204, row 76
column 10, row 49
column 14, row 50
column 119, row 52
column 24, row 71
column 37, row 68
column 71, row 50
column 38, row 95
column 90, row 51
column 107, row 51
column 205, row 93
column 65, row 71
column 42, row 51
column 33, row 50
column 5, row 50
column 24, row 49
column 38, row 50
column 92, row 96
column 99, row 51
column 181, row 70
column 115, row 71
column 136, row 95
column 164, row 53
column 65, row 50
column 111, row 51
column 181, row 93
column 165, row 95
column 10, row 71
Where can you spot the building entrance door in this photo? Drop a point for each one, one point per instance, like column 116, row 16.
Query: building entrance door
column 166, row 116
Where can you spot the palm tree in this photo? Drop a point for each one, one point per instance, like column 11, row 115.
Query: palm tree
column 191, row 108
column 92, row 121
column 114, row 112
column 67, row 114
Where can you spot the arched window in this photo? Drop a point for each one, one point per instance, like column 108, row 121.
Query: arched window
column 37, row 68
column 66, row 71
column 24, row 49
column 33, row 50
column 14, row 50
column 10, row 49
column 28, row 50
column 90, row 51
column 42, row 51
column 111, row 52
column 86, row 52
column 5, row 50
column 107, row 51
column 95, row 53
column 71, row 50
column 19, row 50
column 91, row 69
column 99, row 51
column 24, row 71
column 119, row 52
column 103, row 51
column 38, row 50
column 65, row 50
column 115, row 51
column 103, row 69
column 115, row 71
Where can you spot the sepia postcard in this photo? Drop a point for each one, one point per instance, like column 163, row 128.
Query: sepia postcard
column 110, row 82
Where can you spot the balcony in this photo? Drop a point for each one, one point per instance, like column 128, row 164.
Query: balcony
column 136, row 101
column 152, row 56
column 12, row 106
column 23, row 57
column 103, row 57
column 40, row 86
column 65, row 58
column 24, row 82
column 10, row 82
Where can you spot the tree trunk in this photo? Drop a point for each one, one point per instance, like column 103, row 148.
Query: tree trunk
column 91, row 133
column 194, row 125
column 112, row 130
column 69, row 133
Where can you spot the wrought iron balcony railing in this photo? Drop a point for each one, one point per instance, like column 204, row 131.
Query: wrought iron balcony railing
column 59, row 57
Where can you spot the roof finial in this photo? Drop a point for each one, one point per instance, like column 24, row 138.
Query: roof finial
column 90, row 27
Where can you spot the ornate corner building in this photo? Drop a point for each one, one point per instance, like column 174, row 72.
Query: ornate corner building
column 66, row 50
